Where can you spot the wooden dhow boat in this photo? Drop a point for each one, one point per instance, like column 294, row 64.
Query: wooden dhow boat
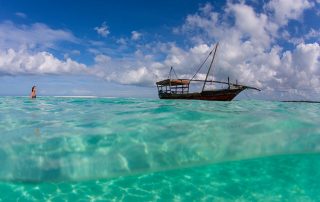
column 179, row 88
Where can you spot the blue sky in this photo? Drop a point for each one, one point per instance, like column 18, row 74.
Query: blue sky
column 120, row 48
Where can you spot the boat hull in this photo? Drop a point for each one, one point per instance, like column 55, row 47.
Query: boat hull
column 216, row 95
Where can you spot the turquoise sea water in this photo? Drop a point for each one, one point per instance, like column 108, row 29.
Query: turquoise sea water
column 122, row 149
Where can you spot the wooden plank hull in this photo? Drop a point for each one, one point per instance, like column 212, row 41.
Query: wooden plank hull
column 216, row 95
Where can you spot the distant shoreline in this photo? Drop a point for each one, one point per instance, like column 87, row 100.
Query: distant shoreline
column 301, row 101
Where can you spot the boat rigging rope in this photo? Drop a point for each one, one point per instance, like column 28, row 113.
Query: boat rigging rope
column 172, row 70
column 201, row 65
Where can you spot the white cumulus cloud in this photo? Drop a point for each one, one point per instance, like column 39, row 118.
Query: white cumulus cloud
column 36, row 35
column 252, row 24
column 103, row 30
column 135, row 35
column 24, row 50
column 23, row 62
column 285, row 10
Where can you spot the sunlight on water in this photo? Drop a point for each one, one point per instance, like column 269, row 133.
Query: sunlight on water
column 93, row 146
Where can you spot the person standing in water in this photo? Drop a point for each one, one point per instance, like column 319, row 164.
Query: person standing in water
column 33, row 92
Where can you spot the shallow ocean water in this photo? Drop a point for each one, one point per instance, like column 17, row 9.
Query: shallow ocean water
column 126, row 149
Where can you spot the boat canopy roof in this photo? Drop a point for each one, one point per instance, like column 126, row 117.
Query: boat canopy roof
column 173, row 82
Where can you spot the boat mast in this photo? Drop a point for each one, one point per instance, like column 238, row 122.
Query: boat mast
column 214, row 54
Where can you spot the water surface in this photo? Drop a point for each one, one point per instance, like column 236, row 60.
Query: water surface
column 149, row 149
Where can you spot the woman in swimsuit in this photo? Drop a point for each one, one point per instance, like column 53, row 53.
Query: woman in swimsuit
column 33, row 92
